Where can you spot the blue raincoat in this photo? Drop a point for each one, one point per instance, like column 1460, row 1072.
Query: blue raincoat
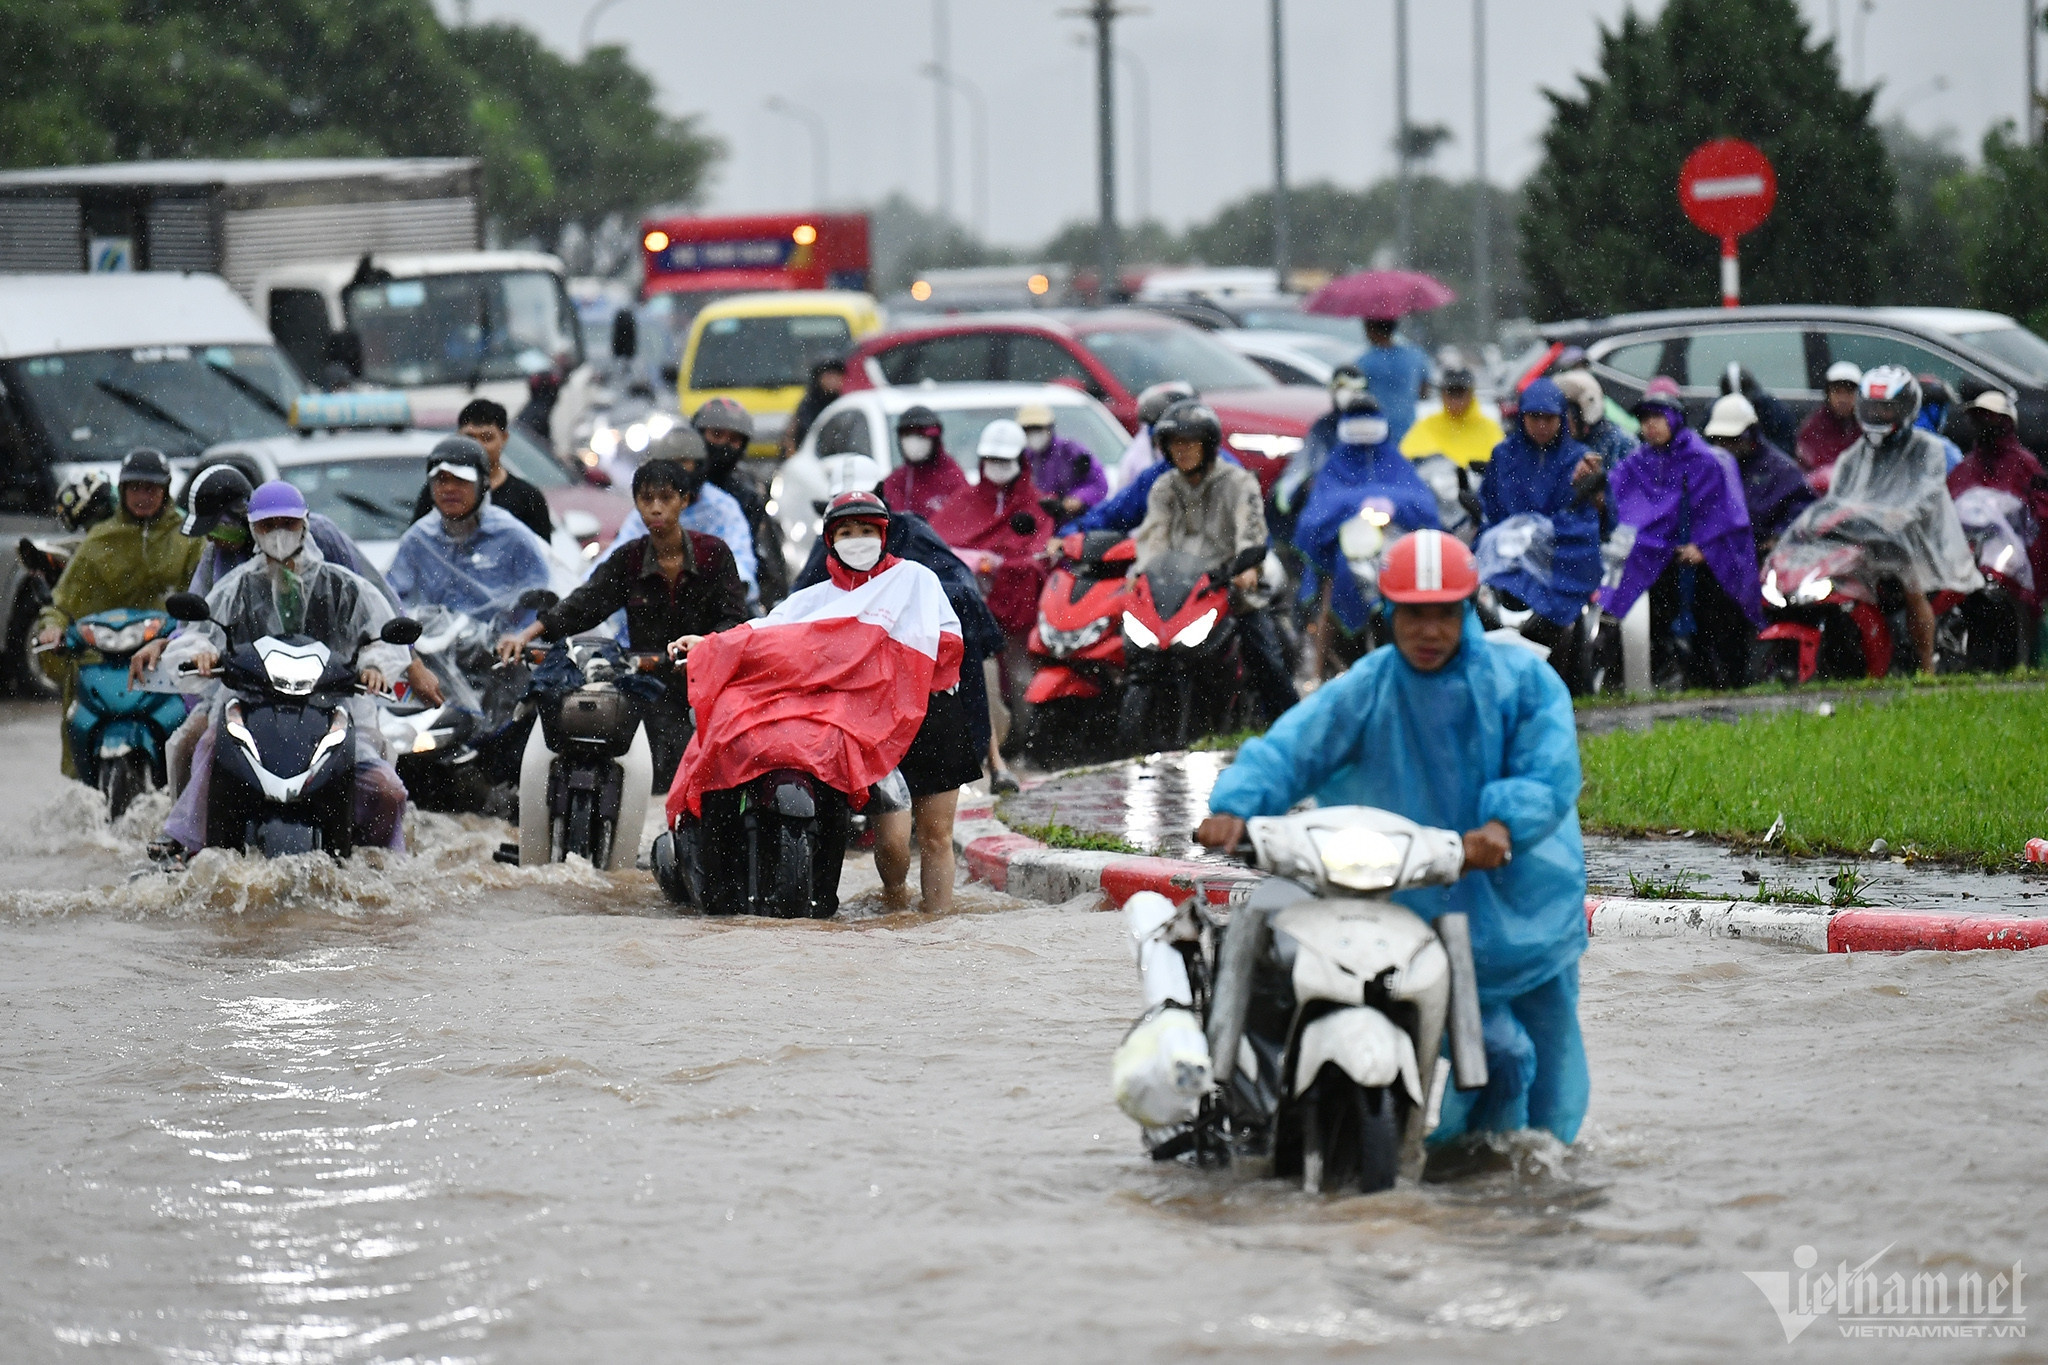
column 481, row 577
column 1489, row 736
column 1526, row 477
column 1348, row 477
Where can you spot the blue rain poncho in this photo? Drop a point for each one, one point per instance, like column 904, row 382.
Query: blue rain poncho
column 1527, row 478
column 1348, row 477
column 482, row 576
column 1489, row 736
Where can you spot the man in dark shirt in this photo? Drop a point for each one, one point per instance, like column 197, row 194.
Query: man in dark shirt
column 485, row 423
column 675, row 587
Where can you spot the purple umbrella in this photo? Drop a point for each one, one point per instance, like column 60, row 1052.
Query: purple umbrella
column 1379, row 294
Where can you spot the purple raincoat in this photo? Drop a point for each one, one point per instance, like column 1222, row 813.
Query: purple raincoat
column 1680, row 494
column 1066, row 469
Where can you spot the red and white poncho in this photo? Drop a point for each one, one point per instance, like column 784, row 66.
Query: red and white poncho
column 834, row 682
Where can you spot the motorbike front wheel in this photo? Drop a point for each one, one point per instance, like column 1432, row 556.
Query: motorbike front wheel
column 1134, row 720
column 122, row 780
column 578, row 837
column 1350, row 1134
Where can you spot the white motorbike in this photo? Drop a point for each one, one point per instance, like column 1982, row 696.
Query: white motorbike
column 1304, row 1025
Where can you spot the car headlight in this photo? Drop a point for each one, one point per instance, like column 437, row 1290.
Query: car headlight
column 1265, row 443
column 1816, row 589
column 1360, row 859
column 1197, row 630
column 1772, row 594
column 293, row 675
column 1140, row 634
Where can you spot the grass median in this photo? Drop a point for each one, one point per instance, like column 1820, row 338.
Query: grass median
column 1952, row 773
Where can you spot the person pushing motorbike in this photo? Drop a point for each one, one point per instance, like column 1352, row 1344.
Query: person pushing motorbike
column 1457, row 732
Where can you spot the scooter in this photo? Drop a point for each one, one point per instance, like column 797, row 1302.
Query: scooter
column 448, row 754
column 587, row 768
column 43, row 558
column 1834, row 612
column 1304, row 1025
column 756, row 851
column 1998, row 627
column 284, row 764
column 1184, row 676
column 1077, row 648
column 118, row 734
column 1525, row 543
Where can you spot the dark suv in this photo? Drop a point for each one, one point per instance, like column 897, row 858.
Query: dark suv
column 1789, row 349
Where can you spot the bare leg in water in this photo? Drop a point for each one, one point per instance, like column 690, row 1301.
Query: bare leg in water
column 931, row 817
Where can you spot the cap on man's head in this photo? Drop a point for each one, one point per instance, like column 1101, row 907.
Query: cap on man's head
column 1844, row 372
column 276, row 499
column 1732, row 415
column 1992, row 400
column 460, row 457
column 144, row 465
column 1034, row 415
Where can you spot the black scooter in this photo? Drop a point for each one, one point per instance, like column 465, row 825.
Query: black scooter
column 284, row 761
column 768, row 848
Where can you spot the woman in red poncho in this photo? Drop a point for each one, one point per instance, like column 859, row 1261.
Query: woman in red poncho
column 1998, row 461
column 928, row 479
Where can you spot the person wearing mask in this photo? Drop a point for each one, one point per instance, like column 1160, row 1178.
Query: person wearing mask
column 1692, row 551
column 1397, row 371
column 1895, row 475
column 135, row 558
column 1456, row 732
column 674, row 585
column 1460, row 432
column 1125, row 508
column 1533, row 471
column 1773, row 488
column 1998, row 461
column 1363, row 465
column 485, row 423
column 1060, row 468
column 828, row 381
column 1590, row 424
column 1213, row 511
column 1830, row 428
column 928, row 478
column 288, row 588
column 727, row 429
column 713, row 512
column 468, row 554
column 1140, row 455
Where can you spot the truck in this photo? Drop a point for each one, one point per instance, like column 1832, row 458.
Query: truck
column 367, row 270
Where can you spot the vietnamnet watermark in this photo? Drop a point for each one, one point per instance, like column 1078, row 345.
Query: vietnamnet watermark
column 1862, row 1302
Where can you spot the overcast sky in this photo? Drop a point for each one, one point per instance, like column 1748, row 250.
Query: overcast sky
column 1945, row 64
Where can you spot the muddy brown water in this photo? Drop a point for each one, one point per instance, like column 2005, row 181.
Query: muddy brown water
column 435, row 1109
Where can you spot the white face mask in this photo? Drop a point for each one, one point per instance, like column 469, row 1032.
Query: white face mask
column 1039, row 441
column 917, row 449
column 1362, row 431
column 999, row 472
column 282, row 545
column 859, row 553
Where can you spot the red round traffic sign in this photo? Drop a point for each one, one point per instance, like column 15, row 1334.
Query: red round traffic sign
column 1727, row 187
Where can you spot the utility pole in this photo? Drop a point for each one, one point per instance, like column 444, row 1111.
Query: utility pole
column 1141, row 134
column 2033, row 124
column 1281, row 263
column 1404, row 232
column 942, row 97
column 1482, row 196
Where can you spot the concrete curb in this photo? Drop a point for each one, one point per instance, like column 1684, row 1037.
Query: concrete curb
column 1022, row 866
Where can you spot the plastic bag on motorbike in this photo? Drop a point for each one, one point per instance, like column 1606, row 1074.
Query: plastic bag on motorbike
column 1614, row 553
column 2000, row 529
column 1526, row 541
column 1161, row 1069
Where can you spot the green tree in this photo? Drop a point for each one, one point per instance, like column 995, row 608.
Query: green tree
column 1999, row 211
column 1602, row 230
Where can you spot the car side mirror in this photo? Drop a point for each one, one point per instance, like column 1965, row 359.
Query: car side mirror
column 187, row 606
column 625, row 334
column 400, row 630
column 537, row 599
column 670, row 374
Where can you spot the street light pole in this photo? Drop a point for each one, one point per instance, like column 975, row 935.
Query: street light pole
column 1280, row 205
column 1141, row 133
column 814, row 123
column 954, row 81
column 589, row 22
column 942, row 132
column 1405, row 225
column 1482, row 197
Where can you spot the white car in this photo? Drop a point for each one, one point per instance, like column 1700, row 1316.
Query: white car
column 864, row 423
column 1292, row 357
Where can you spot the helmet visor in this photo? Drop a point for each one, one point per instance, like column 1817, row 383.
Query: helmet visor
column 1880, row 414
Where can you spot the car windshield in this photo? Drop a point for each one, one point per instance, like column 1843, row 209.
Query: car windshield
column 1104, row 438
column 765, row 353
column 2016, row 346
column 99, row 405
column 1140, row 357
column 370, row 497
column 465, row 328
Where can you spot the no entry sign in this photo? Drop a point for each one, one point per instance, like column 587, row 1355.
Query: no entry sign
column 1727, row 187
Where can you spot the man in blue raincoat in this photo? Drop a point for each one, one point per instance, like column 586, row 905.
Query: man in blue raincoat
column 1457, row 732
column 1531, row 474
column 467, row 555
column 1364, row 463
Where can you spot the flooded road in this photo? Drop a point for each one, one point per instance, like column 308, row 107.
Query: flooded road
column 438, row 1109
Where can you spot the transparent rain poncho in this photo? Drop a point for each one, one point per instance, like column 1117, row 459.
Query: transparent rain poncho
column 481, row 576
column 1894, row 503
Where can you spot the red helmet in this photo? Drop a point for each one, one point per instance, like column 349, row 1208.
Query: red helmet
column 1428, row 566
column 858, row 505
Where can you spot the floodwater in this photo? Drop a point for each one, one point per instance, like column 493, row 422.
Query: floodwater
column 435, row 1109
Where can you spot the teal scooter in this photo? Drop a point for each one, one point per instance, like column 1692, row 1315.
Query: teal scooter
column 118, row 733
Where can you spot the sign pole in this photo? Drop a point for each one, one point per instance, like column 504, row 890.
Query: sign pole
column 1731, row 274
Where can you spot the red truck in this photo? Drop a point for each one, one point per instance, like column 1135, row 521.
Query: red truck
column 715, row 256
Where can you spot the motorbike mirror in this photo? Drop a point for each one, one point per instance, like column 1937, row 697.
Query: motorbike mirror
column 1249, row 558
column 625, row 334
column 1052, row 507
column 400, row 630
column 186, row 606
column 537, row 599
column 1023, row 523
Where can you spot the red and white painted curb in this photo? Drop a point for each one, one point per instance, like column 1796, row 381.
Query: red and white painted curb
column 1022, row 866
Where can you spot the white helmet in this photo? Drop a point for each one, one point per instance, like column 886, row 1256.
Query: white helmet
column 1887, row 401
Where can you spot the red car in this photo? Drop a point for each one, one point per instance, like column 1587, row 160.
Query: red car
column 1113, row 354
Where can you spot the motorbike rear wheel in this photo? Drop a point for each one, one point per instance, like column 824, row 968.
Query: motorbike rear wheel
column 1350, row 1134
column 793, row 884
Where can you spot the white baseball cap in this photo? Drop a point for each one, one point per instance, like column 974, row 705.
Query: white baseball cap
column 1844, row 372
column 1993, row 400
column 1732, row 415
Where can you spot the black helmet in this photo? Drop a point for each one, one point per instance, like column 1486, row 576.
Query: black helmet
column 919, row 418
column 1153, row 402
column 145, row 465
column 217, row 493
column 464, row 458
column 86, row 501
column 722, row 414
column 1358, row 403
column 1189, row 419
column 1460, row 377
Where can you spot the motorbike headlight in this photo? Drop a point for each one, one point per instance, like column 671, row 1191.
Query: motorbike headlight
column 1197, row 630
column 637, row 437
column 1361, row 537
column 132, row 637
column 604, row 442
column 1140, row 634
column 1816, row 589
column 1771, row 593
column 660, row 425
column 2004, row 558
column 1061, row 643
column 426, row 741
column 100, row 637
column 1360, row 859
column 293, row 675
column 1261, row 443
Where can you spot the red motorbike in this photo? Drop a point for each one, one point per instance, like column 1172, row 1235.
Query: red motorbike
column 1077, row 649
column 1836, row 606
column 1184, row 672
